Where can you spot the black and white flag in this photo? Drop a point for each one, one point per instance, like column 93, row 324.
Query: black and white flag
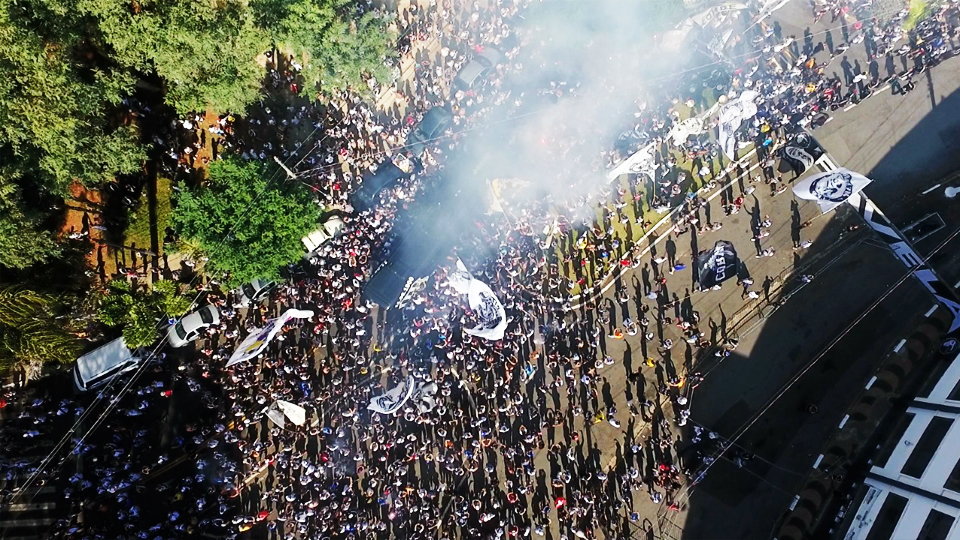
column 799, row 154
column 832, row 188
column 489, row 309
column 391, row 401
column 421, row 395
column 718, row 264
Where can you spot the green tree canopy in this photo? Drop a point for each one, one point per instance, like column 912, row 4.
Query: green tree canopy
column 140, row 311
column 56, row 115
column 204, row 51
column 248, row 221
column 22, row 243
column 335, row 49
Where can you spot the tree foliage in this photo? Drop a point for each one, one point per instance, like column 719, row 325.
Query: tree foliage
column 335, row 49
column 203, row 50
column 22, row 242
column 56, row 116
column 29, row 332
column 139, row 311
column 248, row 221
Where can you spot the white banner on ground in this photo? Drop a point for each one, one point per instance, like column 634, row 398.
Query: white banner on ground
column 732, row 115
column 258, row 340
column 391, row 401
column 489, row 309
column 832, row 188
column 643, row 161
column 281, row 411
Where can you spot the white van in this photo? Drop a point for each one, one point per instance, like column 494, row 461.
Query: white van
column 100, row 365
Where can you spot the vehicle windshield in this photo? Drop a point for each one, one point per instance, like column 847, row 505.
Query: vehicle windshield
column 249, row 291
column 178, row 329
column 206, row 316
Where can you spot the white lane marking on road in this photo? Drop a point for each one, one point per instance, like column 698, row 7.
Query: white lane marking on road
column 957, row 285
column 872, row 380
column 900, row 345
column 928, row 190
column 844, row 421
column 817, row 462
column 796, row 499
column 930, row 311
column 850, row 106
column 882, row 89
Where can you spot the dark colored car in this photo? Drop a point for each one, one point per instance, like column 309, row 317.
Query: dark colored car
column 434, row 123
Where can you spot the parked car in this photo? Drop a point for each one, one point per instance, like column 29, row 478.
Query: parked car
column 188, row 328
column 253, row 292
column 477, row 68
column 100, row 365
column 385, row 177
column 434, row 123
column 327, row 230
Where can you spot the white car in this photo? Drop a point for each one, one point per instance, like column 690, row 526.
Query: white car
column 326, row 231
column 253, row 292
column 189, row 328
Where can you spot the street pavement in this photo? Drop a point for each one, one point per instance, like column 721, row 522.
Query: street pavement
column 907, row 144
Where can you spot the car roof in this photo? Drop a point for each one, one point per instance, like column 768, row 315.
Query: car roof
column 470, row 72
column 195, row 320
column 490, row 55
column 386, row 175
column 434, row 122
column 103, row 358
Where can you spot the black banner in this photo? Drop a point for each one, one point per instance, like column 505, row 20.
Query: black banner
column 799, row 154
column 718, row 264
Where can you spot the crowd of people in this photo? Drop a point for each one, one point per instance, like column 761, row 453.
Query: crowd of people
column 512, row 449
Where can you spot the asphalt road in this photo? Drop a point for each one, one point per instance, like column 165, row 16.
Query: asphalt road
column 907, row 144
column 745, row 502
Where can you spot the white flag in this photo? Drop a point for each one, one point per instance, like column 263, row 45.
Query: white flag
column 643, row 161
column 391, row 402
column 830, row 189
column 296, row 413
column 489, row 309
column 277, row 417
column 682, row 130
column 258, row 340
column 732, row 115
column 424, row 397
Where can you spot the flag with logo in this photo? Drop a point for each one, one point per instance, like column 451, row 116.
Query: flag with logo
column 391, row 401
column 643, row 161
column 799, row 154
column 488, row 308
column 732, row 116
column 831, row 189
column 257, row 341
